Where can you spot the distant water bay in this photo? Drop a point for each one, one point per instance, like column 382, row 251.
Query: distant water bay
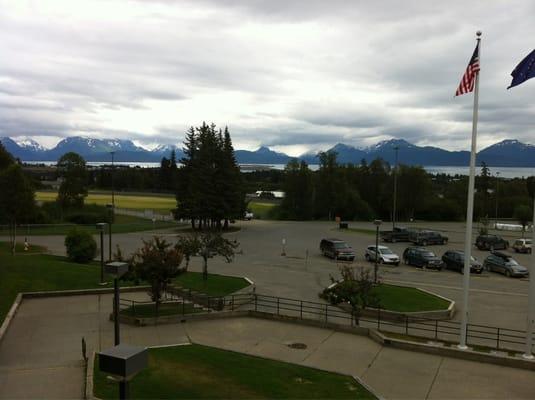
column 505, row 172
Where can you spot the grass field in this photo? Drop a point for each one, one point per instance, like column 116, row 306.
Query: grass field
column 29, row 272
column 407, row 299
column 216, row 285
column 161, row 203
column 36, row 272
column 261, row 210
column 123, row 224
column 200, row 372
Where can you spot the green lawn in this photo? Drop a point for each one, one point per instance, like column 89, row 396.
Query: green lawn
column 123, row 224
column 170, row 308
column 200, row 372
column 216, row 285
column 261, row 210
column 27, row 272
column 407, row 299
column 357, row 230
column 37, row 272
column 160, row 202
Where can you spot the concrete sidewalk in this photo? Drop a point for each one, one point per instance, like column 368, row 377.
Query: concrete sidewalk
column 40, row 357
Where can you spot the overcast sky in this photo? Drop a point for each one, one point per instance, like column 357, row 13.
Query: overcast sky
column 292, row 75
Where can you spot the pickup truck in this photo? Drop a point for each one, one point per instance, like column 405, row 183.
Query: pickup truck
column 248, row 215
column 396, row 235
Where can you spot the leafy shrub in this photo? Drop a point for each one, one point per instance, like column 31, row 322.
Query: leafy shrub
column 81, row 247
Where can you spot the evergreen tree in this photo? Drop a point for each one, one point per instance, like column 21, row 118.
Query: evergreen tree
column 17, row 200
column 73, row 189
column 209, row 186
column 6, row 159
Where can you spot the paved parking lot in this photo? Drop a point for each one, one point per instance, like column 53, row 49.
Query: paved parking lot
column 304, row 272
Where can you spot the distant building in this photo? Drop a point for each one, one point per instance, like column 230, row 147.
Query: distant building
column 270, row 194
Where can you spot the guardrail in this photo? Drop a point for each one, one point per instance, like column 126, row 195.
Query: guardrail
column 491, row 337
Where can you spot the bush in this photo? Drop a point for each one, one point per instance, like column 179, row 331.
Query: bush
column 81, row 247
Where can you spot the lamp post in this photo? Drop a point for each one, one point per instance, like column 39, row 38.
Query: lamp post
column 116, row 269
column 396, row 148
column 497, row 181
column 377, row 224
column 112, row 178
column 101, row 227
column 111, row 216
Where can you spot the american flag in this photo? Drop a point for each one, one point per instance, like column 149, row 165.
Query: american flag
column 469, row 78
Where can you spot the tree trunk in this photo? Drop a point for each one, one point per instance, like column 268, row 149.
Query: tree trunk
column 187, row 264
column 225, row 226
column 205, row 268
column 12, row 236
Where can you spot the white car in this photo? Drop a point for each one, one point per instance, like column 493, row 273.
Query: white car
column 248, row 216
column 385, row 255
column 522, row 246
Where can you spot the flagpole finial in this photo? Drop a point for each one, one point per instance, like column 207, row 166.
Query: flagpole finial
column 478, row 33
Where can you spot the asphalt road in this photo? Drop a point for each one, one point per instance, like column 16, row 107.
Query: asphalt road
column 494, row 299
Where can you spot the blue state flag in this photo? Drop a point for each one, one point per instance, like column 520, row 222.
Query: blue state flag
column 524, row 70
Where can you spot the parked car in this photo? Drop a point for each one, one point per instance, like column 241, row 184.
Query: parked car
column 491, row 242
column 421, row 257
column 384, row 256
column 424, row 238
column 398, row 234
column 522, row 246
column 504, row 264
column 337, row 249
column 248, row 215
column 454, row 259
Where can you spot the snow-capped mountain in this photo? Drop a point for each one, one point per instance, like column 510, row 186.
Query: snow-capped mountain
column 30, row 144
column 507, row 153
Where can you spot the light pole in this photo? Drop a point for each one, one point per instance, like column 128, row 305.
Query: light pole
column 497, row 181
column 396, row 148
column 112, row 178
column 116, row 269
column 377, row 224
column 111, row 215
column 101, row 227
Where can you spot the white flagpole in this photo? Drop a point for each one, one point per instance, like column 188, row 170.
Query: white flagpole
column 470, row 208
column 531, row 298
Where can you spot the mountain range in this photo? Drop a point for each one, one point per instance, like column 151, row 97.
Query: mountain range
column 507, row 153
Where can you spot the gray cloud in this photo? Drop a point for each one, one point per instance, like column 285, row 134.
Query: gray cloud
column 301, row 73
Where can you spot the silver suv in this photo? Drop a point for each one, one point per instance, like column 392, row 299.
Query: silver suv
column 385, row 255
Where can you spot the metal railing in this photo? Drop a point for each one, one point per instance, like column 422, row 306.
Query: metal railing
column 423, row 329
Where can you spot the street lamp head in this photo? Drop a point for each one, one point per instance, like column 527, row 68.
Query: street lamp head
column 116, row 269
column 123, row 361
column 377, row 222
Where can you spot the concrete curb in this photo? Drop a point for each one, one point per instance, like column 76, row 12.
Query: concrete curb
column 178, row 319
column 10, row 315
column 453, row 352
column 81, row 292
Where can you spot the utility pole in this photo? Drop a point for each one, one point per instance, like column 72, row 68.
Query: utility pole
column 396, row 148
